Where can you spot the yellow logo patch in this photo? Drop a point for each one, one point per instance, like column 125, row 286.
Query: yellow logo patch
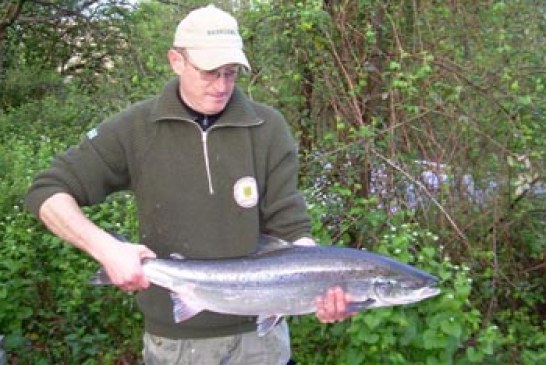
column 245, row 192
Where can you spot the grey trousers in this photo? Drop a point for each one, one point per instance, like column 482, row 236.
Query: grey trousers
column 243, row 349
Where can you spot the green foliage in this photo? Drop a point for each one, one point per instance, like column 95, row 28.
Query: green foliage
column 146, row 68
column 271, row 34
column 452, row 328
column 70, row 37
column 525, row 336
column 26, row 84
column 429, row 332
column 48, row 311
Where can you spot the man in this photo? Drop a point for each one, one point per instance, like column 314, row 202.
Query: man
column 210, row 171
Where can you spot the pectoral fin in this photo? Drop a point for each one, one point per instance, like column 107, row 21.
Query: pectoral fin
column 266, row 324
column 355, row 307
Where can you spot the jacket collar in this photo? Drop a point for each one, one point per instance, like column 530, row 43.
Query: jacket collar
column 238, row 111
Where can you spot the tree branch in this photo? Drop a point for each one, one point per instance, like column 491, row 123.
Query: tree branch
column 423, row 188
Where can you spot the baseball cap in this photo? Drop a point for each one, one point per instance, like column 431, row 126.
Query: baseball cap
column 211, row 38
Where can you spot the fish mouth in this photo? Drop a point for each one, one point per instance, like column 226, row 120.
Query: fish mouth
column 408, row 295
column 429, row 291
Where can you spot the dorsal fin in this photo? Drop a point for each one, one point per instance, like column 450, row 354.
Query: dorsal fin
column 268, row 244
column 176, row 256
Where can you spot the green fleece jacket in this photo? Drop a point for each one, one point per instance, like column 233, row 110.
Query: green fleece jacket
column 200, row 194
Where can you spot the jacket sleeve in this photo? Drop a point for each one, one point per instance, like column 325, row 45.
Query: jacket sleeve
column 282, row 206
column 88, row 172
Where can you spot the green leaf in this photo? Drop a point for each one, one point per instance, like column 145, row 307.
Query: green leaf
column 451, row 327
column 433, row 339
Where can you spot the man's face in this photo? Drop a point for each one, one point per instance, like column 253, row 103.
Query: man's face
column 206, row 92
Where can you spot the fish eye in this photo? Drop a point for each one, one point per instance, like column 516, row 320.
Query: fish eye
column 387, row 283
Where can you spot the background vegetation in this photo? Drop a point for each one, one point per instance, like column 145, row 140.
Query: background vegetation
column 422, row 136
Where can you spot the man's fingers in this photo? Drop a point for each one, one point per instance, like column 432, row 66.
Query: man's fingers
column 330, row 303
column 333, row 306
column 321, row 313
column 339, row 299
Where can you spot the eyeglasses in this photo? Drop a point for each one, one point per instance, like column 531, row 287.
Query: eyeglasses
column 212, row 75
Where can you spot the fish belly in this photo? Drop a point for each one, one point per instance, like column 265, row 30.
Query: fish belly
column 258, row 300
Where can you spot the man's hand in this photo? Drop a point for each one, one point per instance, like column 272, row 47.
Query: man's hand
column 123, row 264
column 333, row 306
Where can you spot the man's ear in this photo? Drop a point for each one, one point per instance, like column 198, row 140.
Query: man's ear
column 176, row 60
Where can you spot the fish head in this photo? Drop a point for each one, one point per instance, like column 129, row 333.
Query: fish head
column 404, row 289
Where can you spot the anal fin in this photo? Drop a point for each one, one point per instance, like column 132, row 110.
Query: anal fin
column 183, row 310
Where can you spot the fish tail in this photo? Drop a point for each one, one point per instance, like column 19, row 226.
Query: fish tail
column 100, row 278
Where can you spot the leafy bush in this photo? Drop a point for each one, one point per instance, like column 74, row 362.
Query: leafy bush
column 48, row 312
column 25, row 84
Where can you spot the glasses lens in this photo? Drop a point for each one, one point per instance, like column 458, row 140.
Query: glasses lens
column 231, row 75
column 213, row 75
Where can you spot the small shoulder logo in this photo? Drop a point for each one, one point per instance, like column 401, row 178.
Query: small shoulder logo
column 92, row 133
column 245, row 192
